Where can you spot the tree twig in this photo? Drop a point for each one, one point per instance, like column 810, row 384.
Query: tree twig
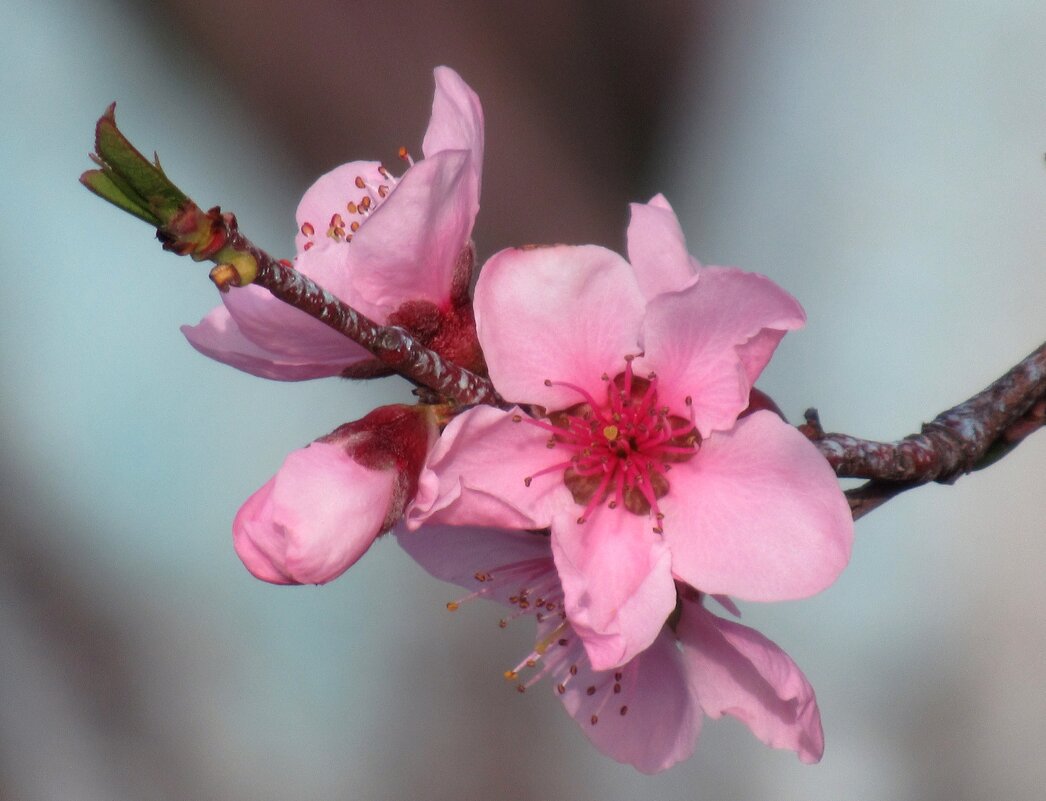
column 962, row 439
column 391, row 344
column 131, row 182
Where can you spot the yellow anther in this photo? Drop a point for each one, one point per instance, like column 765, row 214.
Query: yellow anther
column 610, row 432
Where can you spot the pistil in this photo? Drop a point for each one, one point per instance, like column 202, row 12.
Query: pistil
column 620, row 451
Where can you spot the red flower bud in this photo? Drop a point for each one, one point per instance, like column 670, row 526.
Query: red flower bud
column 330, row 500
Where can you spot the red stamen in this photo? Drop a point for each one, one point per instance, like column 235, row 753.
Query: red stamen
column 625, row 442
column 584, row 394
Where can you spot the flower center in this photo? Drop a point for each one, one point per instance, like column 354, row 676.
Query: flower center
column 620, row 451
column 345, row 221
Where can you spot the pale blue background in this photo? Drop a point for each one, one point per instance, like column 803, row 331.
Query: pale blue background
column 882, row 161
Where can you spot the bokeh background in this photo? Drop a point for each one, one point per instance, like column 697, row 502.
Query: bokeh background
column 881, row 160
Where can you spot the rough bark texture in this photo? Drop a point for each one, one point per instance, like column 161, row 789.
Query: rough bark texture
column 391, row 344
column 967, row 437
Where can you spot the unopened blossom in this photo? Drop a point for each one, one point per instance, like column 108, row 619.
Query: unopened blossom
column 395, row 248
column 330, row 500
column 627, row 443
column 647, row 712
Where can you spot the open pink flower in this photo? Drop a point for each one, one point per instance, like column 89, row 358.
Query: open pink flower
column 647, row 712
column 330, row 500
column 628, row 447
column 375, row 241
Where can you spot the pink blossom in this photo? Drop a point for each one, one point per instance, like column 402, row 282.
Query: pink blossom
column 628, row 444
column 329, row 501
column 381, row 244
column 647, row 712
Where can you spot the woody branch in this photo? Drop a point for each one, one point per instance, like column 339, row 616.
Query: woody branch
column 962, row 439
column 967, row 437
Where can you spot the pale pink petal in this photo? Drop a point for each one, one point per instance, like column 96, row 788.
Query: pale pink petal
column 617, row 582
column 458, row 553
column 314, row 518
column 736, row 671
column 407, row 248
column 252, row 536
column 757, row 514
column 644, row 713
column 475, row 475
column 330, row 195
column 657, row 248
column 659, row 201
column 561, row 313
column 457, row 120
column 694, row 340
column 755, row 354
column 321, row 353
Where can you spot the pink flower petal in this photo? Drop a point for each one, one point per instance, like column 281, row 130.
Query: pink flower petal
column 475, row 474
column 457, row 120
column 755, row 354
column 757, row 514
column 646, row 718
column 255, row 551
column 657, row 248
column 616, row 579
column 314, row 518
column 561, row 313
column 330, row 195
column 736, row 671
column 694, row 340
column 408, row 247
column 322, row 352
column 456, row 554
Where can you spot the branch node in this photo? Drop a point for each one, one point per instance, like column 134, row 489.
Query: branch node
column 812, row 428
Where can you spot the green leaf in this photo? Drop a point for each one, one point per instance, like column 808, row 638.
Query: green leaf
column 134, row 173
column 103, row 185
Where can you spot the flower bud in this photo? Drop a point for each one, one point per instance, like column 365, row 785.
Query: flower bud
column 330, row 500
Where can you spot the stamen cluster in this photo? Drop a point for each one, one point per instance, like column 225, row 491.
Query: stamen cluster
column 621, row 449
column 532, row 588
column 375, row 193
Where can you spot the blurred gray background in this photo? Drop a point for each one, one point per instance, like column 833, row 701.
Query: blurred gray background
column 882, row 161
